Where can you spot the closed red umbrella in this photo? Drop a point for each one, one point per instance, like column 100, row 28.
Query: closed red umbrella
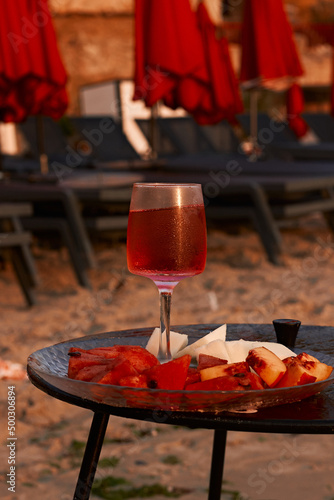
column 294, row 108
column 180, row 61
column 222, row 98
column 32, row 75
column 269, row 55
column 168, row 47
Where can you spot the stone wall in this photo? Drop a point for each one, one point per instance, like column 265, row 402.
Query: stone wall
column 92, row 7
column 96, row 41
column 95, row 49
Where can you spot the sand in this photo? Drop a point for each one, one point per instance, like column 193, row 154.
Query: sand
column 239, row 285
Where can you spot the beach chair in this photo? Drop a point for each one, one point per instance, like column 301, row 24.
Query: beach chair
column 185, row 134
column 103, row 138
column 57, row 140
column 182, row 135
column 270, row 129
column 279, row 141
column 55, row 210
column 76, row 142
column 15, row 244
column 222, row 136
column 269, row 193
column 53, row 137
column 322, row 124
column 162, row 146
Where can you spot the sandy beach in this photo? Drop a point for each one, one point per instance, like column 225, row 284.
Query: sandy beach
column 239, row 285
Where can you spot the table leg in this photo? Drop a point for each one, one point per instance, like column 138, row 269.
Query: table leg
column 91, row 456
column 217, row 464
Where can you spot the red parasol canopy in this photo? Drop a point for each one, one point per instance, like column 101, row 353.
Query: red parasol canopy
column 222, row 98
column 294, row 108
column 269, row 55
column 180, row 61
column 32, row 76
column 168, row 47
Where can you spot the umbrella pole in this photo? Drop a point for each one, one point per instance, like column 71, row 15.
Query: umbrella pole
column 154, row 131
column 43, row 159
column 1, row 159
column 253, row 116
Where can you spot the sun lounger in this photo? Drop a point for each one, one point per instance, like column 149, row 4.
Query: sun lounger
column 75, row 142
column 57, row 140
column 270, row 129
column 104, row 197
column 268, row 193
column 279, row 141
column 322, row 124
column 78, row 203
column 291, row 151
column 55, row 209
column 16, row 243
column 54, row 140
column 222, row 136
column 182, row 135
column 185, row 135
column 103, row 138
column 163, row 146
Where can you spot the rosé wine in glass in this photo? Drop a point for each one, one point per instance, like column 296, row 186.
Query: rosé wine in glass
column 166, row 239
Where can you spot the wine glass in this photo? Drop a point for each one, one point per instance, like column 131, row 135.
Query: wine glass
column 166, row 241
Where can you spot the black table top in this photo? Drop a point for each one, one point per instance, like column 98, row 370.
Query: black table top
column 314, row 415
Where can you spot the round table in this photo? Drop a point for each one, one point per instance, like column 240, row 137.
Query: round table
column 314, row 415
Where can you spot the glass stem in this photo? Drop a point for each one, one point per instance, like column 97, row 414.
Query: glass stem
column 165, row 306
